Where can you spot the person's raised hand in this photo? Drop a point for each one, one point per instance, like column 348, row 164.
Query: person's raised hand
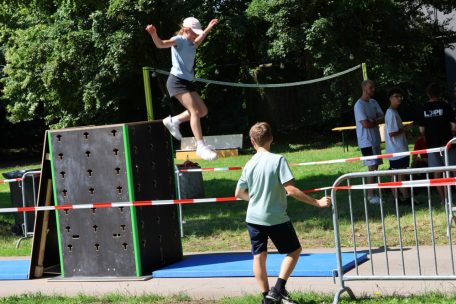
column 212, row 23
column 151, row 29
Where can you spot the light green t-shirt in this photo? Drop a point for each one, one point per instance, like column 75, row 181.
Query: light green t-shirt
column 263, row 176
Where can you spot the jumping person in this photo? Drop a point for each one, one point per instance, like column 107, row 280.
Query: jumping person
column 179, row 84
column 368, row 116
column 264, row 183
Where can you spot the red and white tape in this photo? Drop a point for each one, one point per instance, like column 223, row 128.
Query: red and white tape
column 12, row 180
column 321, row 162
column 437, row 182
column 210, row 169
column 333, row 161
column 120, row 204
column 381, row 156
column 5, row 181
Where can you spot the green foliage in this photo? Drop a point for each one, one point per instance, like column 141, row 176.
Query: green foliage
column 396, row 39
column 75, row 62
column 79, row 62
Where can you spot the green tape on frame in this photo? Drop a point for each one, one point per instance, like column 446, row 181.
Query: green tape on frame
column 131, row 197
column 54, row 189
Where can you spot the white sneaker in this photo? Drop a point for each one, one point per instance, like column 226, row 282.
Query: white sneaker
column 173, row 128
column 375, row 200
column 206, row 153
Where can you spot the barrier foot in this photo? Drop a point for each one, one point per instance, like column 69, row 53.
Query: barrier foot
column 348, row 290
column 18, row 242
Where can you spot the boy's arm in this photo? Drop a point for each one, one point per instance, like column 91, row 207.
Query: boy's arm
column 206, row 31
column 161, row 44
column 397, row 133
column 291, row 189
column 243, row 194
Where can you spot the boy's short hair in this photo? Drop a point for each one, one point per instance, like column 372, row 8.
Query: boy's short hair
column 395, row 90
column 433, row 90
column 261, row 133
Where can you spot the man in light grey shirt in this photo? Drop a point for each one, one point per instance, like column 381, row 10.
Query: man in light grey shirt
column 368, row 116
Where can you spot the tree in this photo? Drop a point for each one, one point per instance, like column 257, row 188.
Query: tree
column 395, row 38
column 77, row 62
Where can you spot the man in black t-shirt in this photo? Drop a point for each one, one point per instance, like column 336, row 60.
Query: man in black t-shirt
column 438, row 125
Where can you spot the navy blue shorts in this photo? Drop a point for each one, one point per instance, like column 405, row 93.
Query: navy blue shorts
column 176, row 85
column 282, row 235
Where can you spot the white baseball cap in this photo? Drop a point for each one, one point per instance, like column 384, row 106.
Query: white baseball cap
column 193, row 24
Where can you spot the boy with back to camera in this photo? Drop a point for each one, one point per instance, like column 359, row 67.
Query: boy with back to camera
column 265, row 181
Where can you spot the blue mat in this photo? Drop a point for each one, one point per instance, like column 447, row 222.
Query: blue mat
column 14, row 269
column 240, row 265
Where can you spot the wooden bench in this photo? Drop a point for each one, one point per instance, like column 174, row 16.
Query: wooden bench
column 347, row 128
column 225, row 145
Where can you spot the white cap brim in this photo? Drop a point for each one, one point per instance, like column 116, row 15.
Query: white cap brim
column 197, row 31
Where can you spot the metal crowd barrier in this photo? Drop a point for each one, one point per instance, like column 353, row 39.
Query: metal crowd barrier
column 448, row 174
column 22, row 184
column 393, row 234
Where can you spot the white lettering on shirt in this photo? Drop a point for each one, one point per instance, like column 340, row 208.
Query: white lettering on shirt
column 433, row 113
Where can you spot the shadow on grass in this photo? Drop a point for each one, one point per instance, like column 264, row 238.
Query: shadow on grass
column 5, row 200
column 209, row 219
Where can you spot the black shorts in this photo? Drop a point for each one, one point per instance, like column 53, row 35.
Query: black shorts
column 282, row 235
column 369, row 151
column 176, row 85
column 400, row 163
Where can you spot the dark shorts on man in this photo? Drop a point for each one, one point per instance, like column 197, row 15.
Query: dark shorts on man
column 400, row 163
column 176, row 85
column 437, row 159
column 282, row 235
column 369, row 151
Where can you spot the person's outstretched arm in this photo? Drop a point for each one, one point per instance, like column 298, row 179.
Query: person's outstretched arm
column 161, row 44
column 243, row 194
column 206, row 31
column 301, row 196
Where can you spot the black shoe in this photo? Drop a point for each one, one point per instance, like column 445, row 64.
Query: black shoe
column 279, row 296
column 267, row 301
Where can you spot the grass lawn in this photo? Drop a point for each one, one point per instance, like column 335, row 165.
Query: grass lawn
column 308, row 298
column 220, row 227
column 213, row 227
